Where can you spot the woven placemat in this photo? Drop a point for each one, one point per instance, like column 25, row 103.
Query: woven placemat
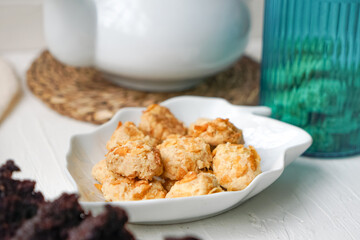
column 83, row 94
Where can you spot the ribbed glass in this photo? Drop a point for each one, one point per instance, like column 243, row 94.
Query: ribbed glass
column 310, row 73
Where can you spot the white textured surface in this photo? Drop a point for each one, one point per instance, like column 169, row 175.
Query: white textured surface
column 20, row 25
column 9, row 86
column 313, row 199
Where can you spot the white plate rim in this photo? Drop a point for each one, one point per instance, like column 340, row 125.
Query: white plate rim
column 255, row 110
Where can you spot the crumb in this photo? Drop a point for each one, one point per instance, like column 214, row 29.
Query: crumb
column 53, row 220
column 235, row 166
column 18, row 200
column 125, row 189
column 101, row 173
column 195, row 184
column 216, row 132
column 182, row 154
column 128, row 131
column 7, row 169
column 158, row 122
column 108, row 225
column 135, row 159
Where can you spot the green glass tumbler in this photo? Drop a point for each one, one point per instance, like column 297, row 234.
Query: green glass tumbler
column 310, row 74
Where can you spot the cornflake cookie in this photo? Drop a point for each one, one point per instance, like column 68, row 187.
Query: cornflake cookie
column 135, row 159
column 195, row 184
column 125, row 189
column 101, row 173
column 235, row 166
column 158, row 122
column 128, row 131
column 182, row 154
column 216, row 132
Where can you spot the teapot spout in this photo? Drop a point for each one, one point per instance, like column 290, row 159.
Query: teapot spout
column 70, row 30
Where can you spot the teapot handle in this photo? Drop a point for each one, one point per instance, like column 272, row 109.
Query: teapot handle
column 70, row 30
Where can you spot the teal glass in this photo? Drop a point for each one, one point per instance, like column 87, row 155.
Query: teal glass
column 310, row 74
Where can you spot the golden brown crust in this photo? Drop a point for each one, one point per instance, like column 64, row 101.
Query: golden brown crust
column 168, row 184
column 216, row 131
column 235, row 166
column 126, row 189
column 128, row 131
column 158, row 122
column 182, row 154
column 195, row 184
column 135, row 159
column 101, row 173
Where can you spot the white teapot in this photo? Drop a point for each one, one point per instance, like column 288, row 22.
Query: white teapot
column 153, row 45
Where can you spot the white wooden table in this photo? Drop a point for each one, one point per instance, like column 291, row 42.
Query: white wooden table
column 313, row 199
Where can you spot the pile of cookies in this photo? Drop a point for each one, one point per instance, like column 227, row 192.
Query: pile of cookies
column 161, row 158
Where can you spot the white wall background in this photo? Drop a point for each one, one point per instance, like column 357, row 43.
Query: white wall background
column 21, row 23
column 257, row 17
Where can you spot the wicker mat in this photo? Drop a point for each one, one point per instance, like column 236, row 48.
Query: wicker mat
column 83, row 94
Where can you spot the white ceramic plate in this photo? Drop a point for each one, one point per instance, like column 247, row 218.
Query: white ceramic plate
column 278, row 144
